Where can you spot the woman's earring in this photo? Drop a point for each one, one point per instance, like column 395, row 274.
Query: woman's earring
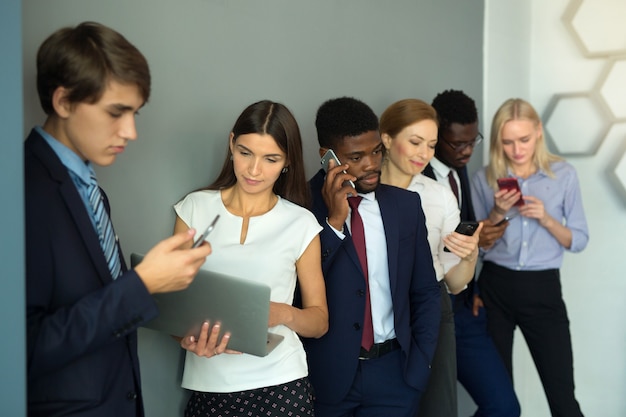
column 284, row 170
column 231, row 156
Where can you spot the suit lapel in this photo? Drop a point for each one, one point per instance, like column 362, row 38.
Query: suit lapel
column 467, row 210
column 73, row 201
column 77, row 209
column 321, row 212
column 428, row 171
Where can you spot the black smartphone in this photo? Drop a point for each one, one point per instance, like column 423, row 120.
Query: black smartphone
column 206, row 233
column 466, row 228
column 328, row 156
column 511, row 184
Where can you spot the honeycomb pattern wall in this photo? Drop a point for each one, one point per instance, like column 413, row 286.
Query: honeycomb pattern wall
column 605, row 104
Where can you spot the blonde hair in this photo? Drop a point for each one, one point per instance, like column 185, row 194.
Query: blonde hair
column 515, row 109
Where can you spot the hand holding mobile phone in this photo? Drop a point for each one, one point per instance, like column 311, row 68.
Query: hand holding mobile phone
column 509, row 184
column 206, row 233
column 328, row 156
column 466, row 228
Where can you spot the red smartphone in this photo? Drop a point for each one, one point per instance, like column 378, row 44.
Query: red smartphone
column 511, row 184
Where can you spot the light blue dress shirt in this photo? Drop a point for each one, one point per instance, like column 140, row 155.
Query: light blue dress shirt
column 526, row 245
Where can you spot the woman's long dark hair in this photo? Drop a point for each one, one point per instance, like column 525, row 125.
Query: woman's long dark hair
column 274, row 119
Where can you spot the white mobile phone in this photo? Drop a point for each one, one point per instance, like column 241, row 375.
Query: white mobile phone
column 206, row 233
column 328, row 156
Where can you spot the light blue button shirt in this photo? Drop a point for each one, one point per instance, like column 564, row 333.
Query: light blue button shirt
column 526, row 245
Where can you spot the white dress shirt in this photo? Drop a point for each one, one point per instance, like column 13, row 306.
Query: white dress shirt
column 442, row 217
column 377, row 266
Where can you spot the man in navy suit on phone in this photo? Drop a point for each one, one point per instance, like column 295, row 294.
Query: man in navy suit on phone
column 83, row 305
column 383, row 297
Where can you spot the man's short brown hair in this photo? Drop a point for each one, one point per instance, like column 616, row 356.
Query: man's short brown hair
column 84, row 59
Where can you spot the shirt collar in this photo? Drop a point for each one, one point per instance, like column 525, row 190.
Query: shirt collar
column 442, row 169
column 540, row 172
column 369, row 196
column 81, row 169
column 418, row 181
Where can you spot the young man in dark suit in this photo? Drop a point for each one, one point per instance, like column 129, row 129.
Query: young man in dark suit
column 383, row 297
column 479, row 366
column 83, row 305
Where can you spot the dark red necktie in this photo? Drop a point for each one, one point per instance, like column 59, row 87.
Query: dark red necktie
column 453, row 185
column 358, row 239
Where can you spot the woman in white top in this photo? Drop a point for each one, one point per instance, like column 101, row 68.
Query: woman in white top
column 409, row 132
column 264, row 234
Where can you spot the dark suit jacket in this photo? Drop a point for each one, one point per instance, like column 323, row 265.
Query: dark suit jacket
column 81, row 325
column 333, row 358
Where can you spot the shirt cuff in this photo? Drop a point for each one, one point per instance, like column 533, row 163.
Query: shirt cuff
column 340, row 233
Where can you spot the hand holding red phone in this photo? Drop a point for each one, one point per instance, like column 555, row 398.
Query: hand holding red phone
column 508, row 195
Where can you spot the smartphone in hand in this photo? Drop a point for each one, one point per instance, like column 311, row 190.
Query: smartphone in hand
column 511, row 184
column 331, row 156
column 506, row 219
column 466, row 228
column 206, row 233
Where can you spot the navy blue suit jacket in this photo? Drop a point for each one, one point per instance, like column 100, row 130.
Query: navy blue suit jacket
column 333, row 358
column 81, row 325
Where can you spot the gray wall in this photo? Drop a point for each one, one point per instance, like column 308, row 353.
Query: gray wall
column 12, row 324
column 210, row 59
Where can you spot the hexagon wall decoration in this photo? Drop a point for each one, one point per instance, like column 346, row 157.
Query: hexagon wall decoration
column 617, row 174
column 574, row 123
column 610, row 87
column 597, row 41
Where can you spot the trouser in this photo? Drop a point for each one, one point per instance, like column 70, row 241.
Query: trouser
column 533, row 301
column 440, row 398
column 480, row 368
column 378, row 390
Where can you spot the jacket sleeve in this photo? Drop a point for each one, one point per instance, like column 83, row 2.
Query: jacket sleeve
column 71, row 311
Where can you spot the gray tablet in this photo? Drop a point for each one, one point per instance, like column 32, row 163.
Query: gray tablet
column 241, row 306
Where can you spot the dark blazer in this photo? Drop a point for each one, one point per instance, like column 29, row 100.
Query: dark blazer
column 333, row 358
column 81, row 325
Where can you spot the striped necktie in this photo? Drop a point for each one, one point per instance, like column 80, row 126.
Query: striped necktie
column 104, row 227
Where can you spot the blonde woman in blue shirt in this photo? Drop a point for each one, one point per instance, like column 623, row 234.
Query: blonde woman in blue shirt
column 520, row 280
